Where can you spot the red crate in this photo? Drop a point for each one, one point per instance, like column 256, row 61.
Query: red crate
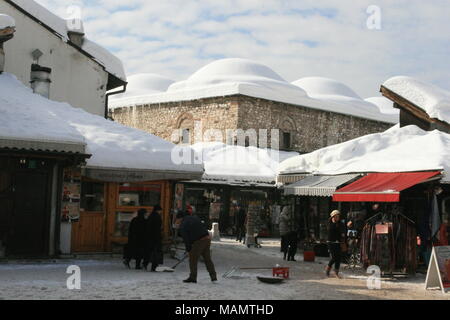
column 281, row 272
column 309, row 256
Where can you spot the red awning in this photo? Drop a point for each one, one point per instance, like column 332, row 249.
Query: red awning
column 381, row 187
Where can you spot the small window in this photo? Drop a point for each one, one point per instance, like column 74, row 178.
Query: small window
column 185, row 136
column 92, row 196
column 139, row 195
column 122, row 225
column 287, row 140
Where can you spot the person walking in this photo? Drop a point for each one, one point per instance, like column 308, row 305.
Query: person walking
column 135, row 248
column 240, row 223
column 153, row 249
column 289, row 238
column 284, row 231
column 336, row 235
column 198, row 243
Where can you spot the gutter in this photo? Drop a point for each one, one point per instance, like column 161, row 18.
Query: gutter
column 124, row 89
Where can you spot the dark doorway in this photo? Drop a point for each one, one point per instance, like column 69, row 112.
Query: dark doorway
column 30, row 219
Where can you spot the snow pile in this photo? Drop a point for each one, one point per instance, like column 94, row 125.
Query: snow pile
column 342, row 99
column 240, row 164
column 144, row 83
column 406, row 149
column 384, row 105
column 433, row 100
column 111, row 63
column 6, row 22
column 234, row 76
column 26, row 115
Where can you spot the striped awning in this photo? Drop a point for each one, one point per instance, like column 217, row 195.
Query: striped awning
column 318, row 186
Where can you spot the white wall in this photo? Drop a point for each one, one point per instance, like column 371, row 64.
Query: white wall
column 76, row 79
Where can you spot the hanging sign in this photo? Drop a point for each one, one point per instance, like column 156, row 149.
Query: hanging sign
column 438, row 275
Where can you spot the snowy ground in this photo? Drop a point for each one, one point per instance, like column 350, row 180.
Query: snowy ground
column 106, row 278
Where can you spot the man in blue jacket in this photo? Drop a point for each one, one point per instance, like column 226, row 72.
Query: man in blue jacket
column 198, row 243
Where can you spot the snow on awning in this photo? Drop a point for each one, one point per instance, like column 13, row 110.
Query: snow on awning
column 42, row 146
column 381, row 187
column 318, row 186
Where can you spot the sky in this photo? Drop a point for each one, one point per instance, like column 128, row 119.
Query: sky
column 360, row 43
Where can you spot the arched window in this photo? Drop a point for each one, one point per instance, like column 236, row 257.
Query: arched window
column 287, row 131
column 185, row 125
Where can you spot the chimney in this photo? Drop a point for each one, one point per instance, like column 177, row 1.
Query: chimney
column 7, row 29
column 40, row 80
column 76, row 32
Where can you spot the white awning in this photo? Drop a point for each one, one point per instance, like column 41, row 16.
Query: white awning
column 318, row 186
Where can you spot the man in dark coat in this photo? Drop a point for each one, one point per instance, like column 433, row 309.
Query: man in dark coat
column 198, row 243
column 153, row 248
column 240, row 223
column 135, row 249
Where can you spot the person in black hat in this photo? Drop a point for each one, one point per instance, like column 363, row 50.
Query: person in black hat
column 198, row 243
column 135, row 249
column 153, row 244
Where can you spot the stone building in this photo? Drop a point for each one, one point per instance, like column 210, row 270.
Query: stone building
column 234, row 96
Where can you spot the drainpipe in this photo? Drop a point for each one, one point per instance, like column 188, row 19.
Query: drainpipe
column 112, row 94
column 7, row 29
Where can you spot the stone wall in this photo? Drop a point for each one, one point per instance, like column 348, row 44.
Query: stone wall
column 310, row 129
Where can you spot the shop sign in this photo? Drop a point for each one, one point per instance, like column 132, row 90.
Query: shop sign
column 438, row 275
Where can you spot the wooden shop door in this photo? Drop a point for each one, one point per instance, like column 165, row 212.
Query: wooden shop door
column 88, row 234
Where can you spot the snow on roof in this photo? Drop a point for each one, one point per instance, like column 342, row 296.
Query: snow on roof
column 319, row 86
column 144, row 83
column 26, row 115
column 233, row 76
column 344, row 99
column 385, row 105
column 6, row 21
column 240, row 164
column 111, row 63
column 398, row 149
column 432, row 99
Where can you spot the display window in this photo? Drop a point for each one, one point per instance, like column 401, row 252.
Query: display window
column 139, row 195
column 92, row 196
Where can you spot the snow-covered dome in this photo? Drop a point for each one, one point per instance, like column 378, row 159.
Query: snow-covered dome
column 319, row 86
column 6, row 21
column 235, row 71
column 143, row 84
column 384, row 104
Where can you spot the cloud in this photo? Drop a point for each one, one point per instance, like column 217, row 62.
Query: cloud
column 296, row 39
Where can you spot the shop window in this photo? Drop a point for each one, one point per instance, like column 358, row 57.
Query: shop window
column 139, row 195
column 92, row 196
column 122, row 223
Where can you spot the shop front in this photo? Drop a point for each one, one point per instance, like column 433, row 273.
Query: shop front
column 214, row 202
column 107, row 208
column 30, row 183
column 406, row 213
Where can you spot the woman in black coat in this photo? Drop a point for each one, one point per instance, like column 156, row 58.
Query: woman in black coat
column 153, row 249
column 135, row 249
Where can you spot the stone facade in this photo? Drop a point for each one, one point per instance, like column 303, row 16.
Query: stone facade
column 307, row 129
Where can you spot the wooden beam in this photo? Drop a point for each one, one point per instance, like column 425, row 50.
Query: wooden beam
column 411, row 107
